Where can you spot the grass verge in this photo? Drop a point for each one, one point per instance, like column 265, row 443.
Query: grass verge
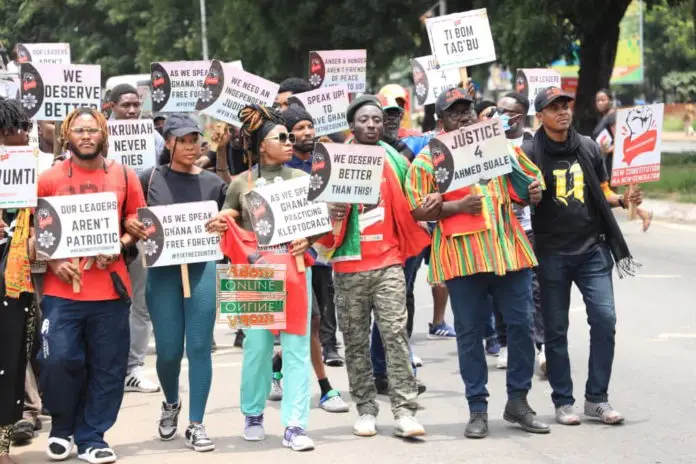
column 677, row 179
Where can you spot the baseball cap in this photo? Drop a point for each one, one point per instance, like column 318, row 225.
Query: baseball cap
column 179, row 125
column 389, row 103
column 548, row 95
column 395, row 92
column 450, row 97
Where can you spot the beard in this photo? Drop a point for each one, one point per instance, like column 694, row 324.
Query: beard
column 86, row 156
column 306, row 146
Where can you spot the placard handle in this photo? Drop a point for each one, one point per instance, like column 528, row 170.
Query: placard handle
column 185, row 283
column 76, row 282
column 300, row 263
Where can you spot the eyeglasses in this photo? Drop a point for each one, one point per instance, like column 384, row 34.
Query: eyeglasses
column 502, row 111
column 283, row 138
column 456, row 115
column 85, row 130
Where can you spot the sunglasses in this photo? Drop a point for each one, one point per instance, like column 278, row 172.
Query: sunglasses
column 283, row 138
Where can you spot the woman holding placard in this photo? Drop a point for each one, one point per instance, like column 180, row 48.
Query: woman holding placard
column 175, row 319
column 266, row 140
column 18, row 313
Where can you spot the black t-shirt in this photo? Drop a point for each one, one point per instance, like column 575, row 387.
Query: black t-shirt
column 567, row 220
column 167, row 187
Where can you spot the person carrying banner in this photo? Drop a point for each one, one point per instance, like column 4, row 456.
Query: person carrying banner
column 18, row 315
column 479, row 249
column 301, row 124
column 179, row 321
column 578, row 241
column 369, row 265
column 85, row 335
column 125, row 104
column 268, row 145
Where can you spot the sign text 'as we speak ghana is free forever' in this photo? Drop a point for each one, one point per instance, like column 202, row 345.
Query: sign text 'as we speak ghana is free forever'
column 177, row 85
column 75, row 226
column 50, row 92
column 346, row 173
column 281, row 213
column 18, row 177
column 461, row 39
column 327, row 107
column 177, row 235
column 469, row 155
column 132, row 142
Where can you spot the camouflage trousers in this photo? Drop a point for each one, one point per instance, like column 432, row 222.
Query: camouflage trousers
column 357, row 296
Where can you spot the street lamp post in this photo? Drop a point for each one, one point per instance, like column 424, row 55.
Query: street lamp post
column 204, row 31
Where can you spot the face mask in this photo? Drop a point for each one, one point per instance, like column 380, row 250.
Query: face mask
column 504, row 120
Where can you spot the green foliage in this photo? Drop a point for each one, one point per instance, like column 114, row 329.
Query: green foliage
column 681, row 84
column 677, row 178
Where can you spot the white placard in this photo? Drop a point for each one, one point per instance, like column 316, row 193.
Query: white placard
column 74, row 226
column 329, row 68
column 177, row 235
column 461, row 39
column 44, row 53
column 638, row 145
column 9, row 88
column 177, row 85
column 18, row 176
column 470, row 155
column 50, row 92
column 529, row 82
column 346, row 173
column 327, row 107
column 430, row 80
column 280, row 212
column 604, row 139
column 132, row 142
column 227, row 89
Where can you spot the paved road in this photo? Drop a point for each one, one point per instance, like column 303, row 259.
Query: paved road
column 653, row 386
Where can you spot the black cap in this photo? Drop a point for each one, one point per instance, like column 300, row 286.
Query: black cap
column 295, row 114
column 449, row 98
column 179, row 125
column 359, row 102
column 549, row 95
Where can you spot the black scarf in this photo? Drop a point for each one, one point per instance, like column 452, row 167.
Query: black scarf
column 625, row 264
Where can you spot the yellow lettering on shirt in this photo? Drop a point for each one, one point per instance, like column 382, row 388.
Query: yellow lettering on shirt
column 573, row 176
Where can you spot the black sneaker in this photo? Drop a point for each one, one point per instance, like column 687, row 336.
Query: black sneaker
column 239, row 338
column 23, row 433
column 382, row 384
column 421, row 387
column 169, row 421
column 197, row 438
column 332, row 358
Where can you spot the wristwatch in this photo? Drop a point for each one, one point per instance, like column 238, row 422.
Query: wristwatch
column 621, row 203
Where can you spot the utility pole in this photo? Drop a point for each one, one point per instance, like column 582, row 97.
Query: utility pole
column 204, row 31
column 443, row 7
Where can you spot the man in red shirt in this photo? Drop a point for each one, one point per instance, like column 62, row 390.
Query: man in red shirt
column 85, row 335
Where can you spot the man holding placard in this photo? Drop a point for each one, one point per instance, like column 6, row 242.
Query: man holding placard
column 85, row 334
column 126, row 105
column 371, row 248
column 578, row 241
column 479, row 249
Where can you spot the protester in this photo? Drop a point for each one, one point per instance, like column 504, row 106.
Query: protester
column 288, row 88
column 485, row 109
column 269, row 145
column 85, row 335
column 577, row 241
column 323, row 325
column 18, row 317
column 179, row 321
column 475, row 260
column 125, row 104
column 512, row 111
column 370, row 280
column 159, row 121
column 227, row 159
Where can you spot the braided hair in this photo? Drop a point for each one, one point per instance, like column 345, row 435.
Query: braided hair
column 72, row 117
column 12, row 118
column 257, row 121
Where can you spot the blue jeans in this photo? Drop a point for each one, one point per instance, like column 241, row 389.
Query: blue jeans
column 591, row 272
column 470, row 299
column 379, row 361
column 84, row 357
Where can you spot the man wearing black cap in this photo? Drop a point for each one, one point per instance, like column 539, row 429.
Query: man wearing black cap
column 475, row 261
column 125, row 104
column 323, row 328
column 577, row 241
column 368, row 262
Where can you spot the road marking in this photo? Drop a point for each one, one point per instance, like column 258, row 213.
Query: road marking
column 667, row 336
column 659, row 276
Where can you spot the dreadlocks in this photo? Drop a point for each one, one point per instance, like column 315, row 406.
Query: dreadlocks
column 70, row 120
column 12, row 118
column 257, row 121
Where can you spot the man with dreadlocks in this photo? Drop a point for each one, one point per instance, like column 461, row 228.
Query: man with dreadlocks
column 267, row 142
column 85, row 336
column 17, row 317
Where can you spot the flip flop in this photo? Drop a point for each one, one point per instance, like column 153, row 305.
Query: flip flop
column 647, row 222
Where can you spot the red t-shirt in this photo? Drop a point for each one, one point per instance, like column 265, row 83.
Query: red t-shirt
column 379, row 245
column 96, row 283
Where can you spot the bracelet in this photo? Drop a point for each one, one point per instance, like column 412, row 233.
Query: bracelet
column 621, row 203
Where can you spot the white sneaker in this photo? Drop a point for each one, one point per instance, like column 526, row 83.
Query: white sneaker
column 137, row 382
column 541, row 363
column 502, row 358
column 197, row 438
column 365, row 426
column 408, row 427
column 169, row 421
column 98, row 456
column 59, row 449
column 276, row 393
column 417, row 361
